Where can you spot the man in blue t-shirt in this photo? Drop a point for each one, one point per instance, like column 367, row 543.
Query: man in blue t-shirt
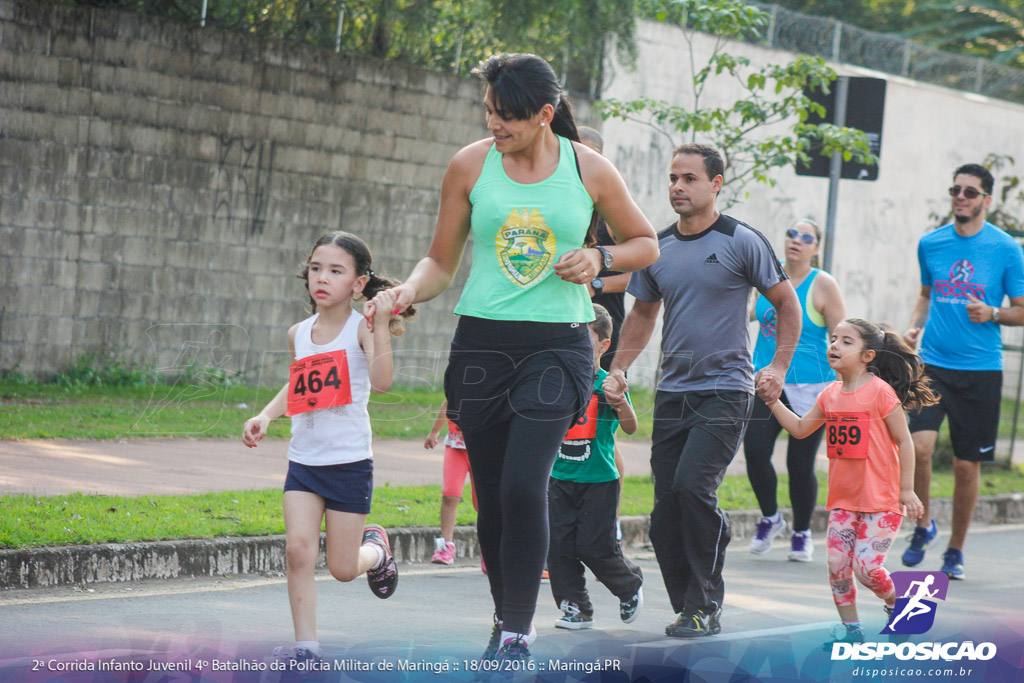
column 967, row 268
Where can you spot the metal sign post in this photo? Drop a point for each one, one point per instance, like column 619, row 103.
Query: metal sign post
column 835, row 172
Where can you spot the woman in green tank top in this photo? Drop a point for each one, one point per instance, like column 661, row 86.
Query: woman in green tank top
column 521, row 366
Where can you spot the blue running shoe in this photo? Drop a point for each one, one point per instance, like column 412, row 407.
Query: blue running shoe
column 953, row 563
column 920, row 540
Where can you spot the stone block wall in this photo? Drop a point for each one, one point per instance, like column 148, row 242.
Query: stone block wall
column 161, row 183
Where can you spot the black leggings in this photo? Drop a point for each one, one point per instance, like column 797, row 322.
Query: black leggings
column 758, row 444
column 514, row 388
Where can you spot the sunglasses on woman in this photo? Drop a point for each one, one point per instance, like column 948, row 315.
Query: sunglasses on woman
column 969, row 192
column 805, row 237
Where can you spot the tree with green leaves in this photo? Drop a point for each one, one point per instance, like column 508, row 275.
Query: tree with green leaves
column 773, row 94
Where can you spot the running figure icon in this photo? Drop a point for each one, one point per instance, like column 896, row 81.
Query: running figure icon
column 914, row 605
column 919, row 592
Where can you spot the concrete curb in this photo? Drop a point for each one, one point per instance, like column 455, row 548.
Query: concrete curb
column 113, row 562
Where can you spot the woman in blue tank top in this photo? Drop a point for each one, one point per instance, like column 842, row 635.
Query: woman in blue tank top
column 809, row 373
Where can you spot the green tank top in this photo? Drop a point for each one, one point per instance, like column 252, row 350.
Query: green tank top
column 519, row 233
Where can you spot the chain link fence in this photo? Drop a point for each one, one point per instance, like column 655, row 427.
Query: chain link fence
column 832, row 39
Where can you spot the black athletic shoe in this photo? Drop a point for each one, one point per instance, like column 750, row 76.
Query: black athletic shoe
column 384, row 579
column 629, row 609
column 695, row 624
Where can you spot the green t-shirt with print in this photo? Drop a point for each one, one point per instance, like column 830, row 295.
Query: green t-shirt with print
column 587, row 455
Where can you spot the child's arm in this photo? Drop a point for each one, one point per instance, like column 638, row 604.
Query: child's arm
column 377, row 344
column 435, row 429
column 896, row 421
column 620, row 404
column 798, row 427
column 256, row 427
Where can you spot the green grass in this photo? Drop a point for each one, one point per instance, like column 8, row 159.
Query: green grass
column 29, row 521
column 48, row 411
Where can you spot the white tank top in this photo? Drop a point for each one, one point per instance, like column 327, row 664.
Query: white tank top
column 332, row 436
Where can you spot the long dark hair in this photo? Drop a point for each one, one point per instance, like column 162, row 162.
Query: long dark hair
column 361, row 255
column 896, row 364
column 521, row 84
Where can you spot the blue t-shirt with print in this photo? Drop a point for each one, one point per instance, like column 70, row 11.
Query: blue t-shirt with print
column 989, row 265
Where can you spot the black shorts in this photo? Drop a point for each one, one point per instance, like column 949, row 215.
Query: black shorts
column 971, row 399
column 501, row 368
column 347, row 487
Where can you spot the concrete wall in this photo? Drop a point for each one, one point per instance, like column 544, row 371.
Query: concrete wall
column 160, row 185
column 928, row 131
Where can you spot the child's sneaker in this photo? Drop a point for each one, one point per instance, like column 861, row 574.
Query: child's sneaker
column 630, row 609
column 384, row 579
column 299, row 654
column 513, row 651
column 800, row 548
column 846, row 633
column 573, row 618
column 920, row 540
column 953, row 564
column 444, row 552
column 767, row 530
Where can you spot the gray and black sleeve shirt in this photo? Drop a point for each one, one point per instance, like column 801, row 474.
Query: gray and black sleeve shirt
column 704, row 283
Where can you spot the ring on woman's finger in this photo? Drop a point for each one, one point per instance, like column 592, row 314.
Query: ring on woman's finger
column 584, row 273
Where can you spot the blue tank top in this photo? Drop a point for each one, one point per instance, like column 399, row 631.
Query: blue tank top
column 810, row 360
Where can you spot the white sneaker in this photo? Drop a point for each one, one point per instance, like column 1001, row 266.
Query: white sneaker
column 800, row 547
column 761, row 543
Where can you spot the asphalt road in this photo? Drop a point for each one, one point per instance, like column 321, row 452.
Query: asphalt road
column 777, row 614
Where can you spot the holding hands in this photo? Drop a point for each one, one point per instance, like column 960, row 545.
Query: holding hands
column 386, row 304
column 769, row 384
column 614, row 392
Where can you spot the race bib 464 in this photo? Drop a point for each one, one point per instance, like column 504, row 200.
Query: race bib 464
column 317, row 382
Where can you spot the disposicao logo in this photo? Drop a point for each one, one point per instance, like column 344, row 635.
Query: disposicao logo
column 914, row 614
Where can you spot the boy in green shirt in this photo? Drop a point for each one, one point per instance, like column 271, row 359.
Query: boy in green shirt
column 583, row 496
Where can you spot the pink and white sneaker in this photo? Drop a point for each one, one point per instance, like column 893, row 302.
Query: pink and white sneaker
column 444, row 552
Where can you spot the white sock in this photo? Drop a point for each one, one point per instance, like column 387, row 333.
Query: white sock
column 311, row 645
column 776, row 518
column 440, row 544
column 380, row 554
column 618, row 531
column 806, row 532
column 527, row 638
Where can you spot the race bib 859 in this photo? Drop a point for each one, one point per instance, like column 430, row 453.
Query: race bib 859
column 317, row 382
column 847, row 434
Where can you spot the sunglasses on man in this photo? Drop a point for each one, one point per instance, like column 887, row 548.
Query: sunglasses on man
column 805, row 237
column 969, row 192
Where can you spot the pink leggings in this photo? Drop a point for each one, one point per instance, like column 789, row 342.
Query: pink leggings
column 857, row 544
column 456, row 467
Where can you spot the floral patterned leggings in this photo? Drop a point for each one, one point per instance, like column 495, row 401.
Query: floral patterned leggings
column 857, row 544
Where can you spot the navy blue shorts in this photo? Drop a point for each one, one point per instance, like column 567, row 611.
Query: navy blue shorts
column 345, row 488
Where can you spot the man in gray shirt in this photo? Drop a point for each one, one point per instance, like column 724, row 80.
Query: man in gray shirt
column 709, row 262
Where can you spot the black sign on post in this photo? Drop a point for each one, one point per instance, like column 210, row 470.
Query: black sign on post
column 865, row 110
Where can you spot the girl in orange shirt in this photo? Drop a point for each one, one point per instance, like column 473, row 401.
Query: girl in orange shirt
column 871, row 458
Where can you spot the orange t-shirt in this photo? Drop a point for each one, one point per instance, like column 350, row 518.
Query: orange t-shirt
column 863, row 465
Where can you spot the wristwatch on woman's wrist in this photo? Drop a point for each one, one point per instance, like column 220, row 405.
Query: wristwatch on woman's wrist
column 995, row 314
column 597, row 284
column 606, row 258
